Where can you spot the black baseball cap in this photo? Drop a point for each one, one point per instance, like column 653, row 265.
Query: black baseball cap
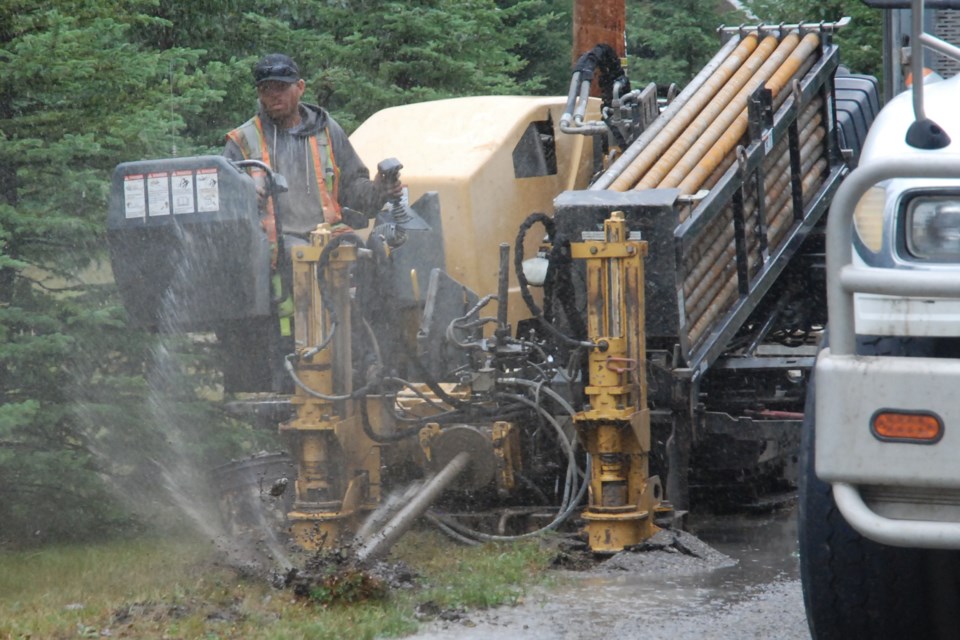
column 276, row 67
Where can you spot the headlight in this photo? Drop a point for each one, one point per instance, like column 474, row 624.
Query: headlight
column 868, row 218
column 933, row 227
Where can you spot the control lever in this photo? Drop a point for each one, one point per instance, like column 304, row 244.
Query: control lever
column 389, row 171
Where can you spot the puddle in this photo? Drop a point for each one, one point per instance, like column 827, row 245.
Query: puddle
column 758, row 596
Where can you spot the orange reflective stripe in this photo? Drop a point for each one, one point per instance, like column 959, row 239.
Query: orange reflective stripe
column 332, row 162
column 249, row 137
column 331, row 208
column 269, row 221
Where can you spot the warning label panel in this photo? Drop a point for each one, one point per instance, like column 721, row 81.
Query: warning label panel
column 134, row 196
column 183, row 200
column 208, row 190
column 158, row 193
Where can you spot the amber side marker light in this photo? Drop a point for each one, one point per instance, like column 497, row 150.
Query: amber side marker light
column 920, row 427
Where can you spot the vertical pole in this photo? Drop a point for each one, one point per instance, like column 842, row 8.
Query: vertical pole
column 599, row 22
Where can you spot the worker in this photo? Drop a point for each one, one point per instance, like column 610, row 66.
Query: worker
column 326, row 180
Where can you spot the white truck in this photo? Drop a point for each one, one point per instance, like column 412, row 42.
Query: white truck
column 880, row 491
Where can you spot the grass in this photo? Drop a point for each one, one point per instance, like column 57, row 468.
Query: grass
column 167, row 589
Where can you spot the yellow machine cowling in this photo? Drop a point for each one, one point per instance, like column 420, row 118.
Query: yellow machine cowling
column 471, row 152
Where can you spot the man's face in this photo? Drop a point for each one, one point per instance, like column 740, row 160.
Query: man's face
column 280, row 99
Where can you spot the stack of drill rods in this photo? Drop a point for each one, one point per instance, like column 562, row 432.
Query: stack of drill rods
column 714, row 295
column 730, row 158
column 720, row 244
column 716, row 301
column 715, row 91
column 720, row 270
column 783, row 220
column 697, row 264
column 811, row 182
column 777, row 178
column 711, row 182
column 777, row 192
column 666, row 117
column 721, row 140
column 695, row 142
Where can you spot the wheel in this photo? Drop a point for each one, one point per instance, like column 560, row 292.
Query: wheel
column 854, row 587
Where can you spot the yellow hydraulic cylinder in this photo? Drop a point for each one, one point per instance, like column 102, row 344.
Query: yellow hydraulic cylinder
column 615, row 425
column 338, row 474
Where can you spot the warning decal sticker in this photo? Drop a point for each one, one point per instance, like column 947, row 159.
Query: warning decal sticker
column 183, row 201
column 158, row 193
column 208, row 190
column 134, row 196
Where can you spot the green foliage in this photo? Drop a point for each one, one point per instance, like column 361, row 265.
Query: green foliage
column 151, row 588
column 861, row 47
column 543, row 35
column 671, row 41
column 77, row 96
column 87, row 403
column 477, row 577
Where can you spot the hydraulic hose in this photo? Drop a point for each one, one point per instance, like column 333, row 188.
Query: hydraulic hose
column 427, row 378
column 534, row 309
column 539, row 386
column 322, row 262
column 573, row 494
column 292, row 372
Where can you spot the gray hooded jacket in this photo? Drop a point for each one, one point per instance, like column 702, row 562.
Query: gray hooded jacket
column 299, row 209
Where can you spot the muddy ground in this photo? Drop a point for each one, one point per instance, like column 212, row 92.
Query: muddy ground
column 745, row 584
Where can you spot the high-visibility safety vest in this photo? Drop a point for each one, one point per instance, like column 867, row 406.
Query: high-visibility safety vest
column 253, row 144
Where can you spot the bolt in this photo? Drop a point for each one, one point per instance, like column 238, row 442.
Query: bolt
column 593, row 250
column 300, row 254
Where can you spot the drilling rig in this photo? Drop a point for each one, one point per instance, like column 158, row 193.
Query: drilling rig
column 646, row 348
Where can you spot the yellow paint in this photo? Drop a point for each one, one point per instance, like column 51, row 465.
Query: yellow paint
column 462, row 148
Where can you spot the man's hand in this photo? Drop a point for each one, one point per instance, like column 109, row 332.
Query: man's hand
column 388, row 180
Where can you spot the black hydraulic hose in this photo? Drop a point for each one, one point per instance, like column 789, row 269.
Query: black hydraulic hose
column 428, row 379
column 604, row 58
column 322, row 262
column 291, row 371
column 550, row 228
column 283, row 259
column 561, row 264
column 535, row 310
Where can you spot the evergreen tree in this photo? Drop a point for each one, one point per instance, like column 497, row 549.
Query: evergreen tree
column 87, row 84
column 861, row 47
column 76, row 97
column 669, row 42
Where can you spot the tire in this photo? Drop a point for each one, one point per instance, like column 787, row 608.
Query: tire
column 854, row 587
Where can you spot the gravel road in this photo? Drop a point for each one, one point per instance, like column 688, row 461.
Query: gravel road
column 743, row 583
